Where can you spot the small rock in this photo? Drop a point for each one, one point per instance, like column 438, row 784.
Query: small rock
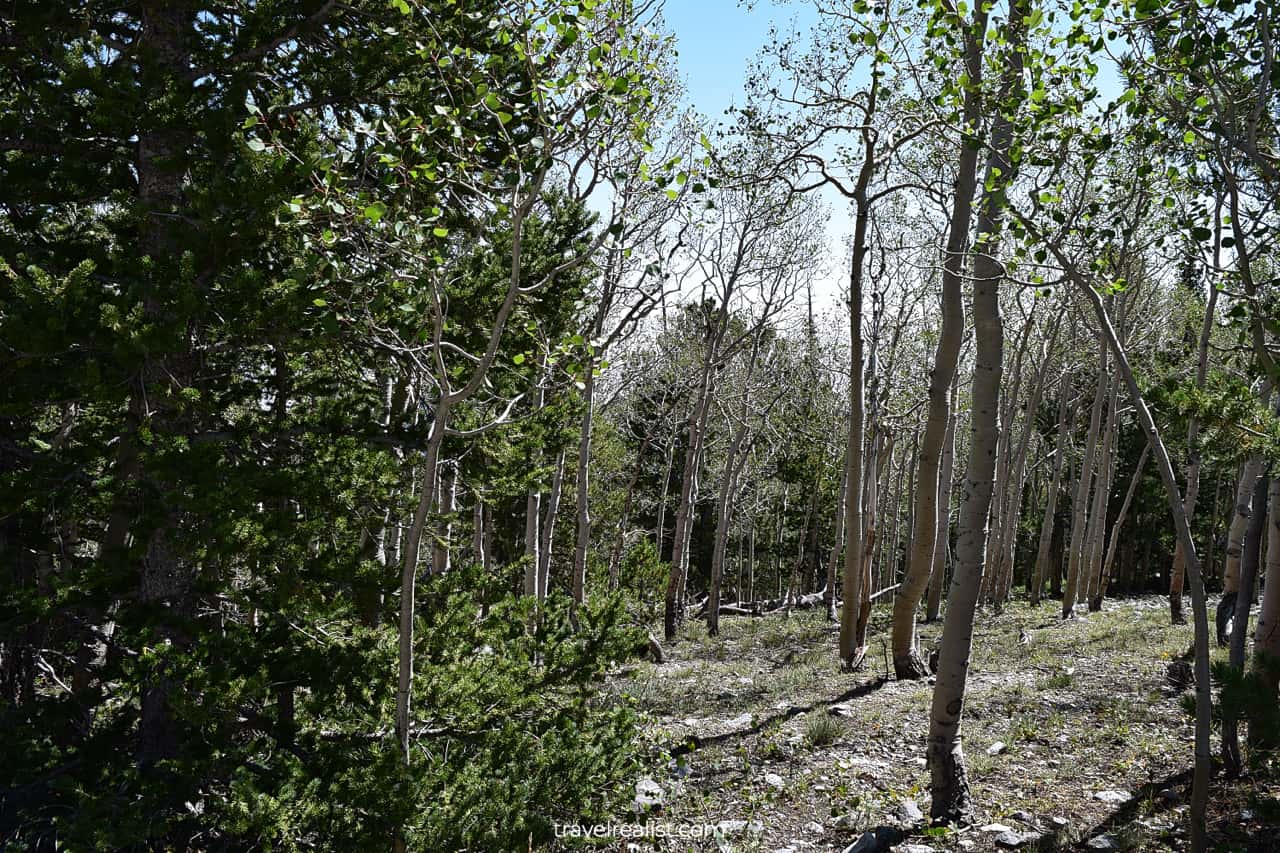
column 741, row 721
column 649, row 795
column 840, row 710
column 1059, row 822
column 814, row 827
column 914, row 848
column 996, row 827
column 1009, row 840
column 878, row 840
column 867, row 843
column 1024, row 817
column 1102, row 842
column 909, row 813
column 996, row 748
column 738, row 827
column 774, row 781
column 1113, row 797
column 1170, row 795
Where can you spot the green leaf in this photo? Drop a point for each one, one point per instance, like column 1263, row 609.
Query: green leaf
column 375, row 211
column 518, row 358
column 440, row 232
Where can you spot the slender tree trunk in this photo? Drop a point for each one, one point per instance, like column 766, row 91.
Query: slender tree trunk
column 1193, row 459
column 409, row 573
column 548, row 525
column 938, row 574
column 440, row 545
column 852, row 581
column 660, row 528
column 993, row 577
column 1079, row 521
column 1051, row 504
column 1266, row 640
column 674, row 612
column 1240, row 623
column 1249, row 473
column 837, row 544
column 724, row 511
column 949, row 786
column 533, row 510
column 1091, row 560
column 907, row 662
column 1016, row 485
column 1096, row 602
column 532, row 543
column 582, row 482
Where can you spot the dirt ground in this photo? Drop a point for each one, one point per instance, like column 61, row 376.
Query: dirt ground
column 1073, row 735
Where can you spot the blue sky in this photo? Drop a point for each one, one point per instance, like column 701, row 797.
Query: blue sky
column 717, row 40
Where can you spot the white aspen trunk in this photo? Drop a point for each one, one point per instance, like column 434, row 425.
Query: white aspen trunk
column 1051, row 504
column 724, row 509
column 479, row 545
column 949, row 787
column 1240, row 621
column 992, row 578
column 849, row 643
column 548, row 526
column 907, row 662
column 878, row 455
column 945, row 474
column 660, row 529
column 532, row 539
column 1017, row 480
column 687, row 538
column 851, row 581
column 1075, row 551
column 1193, row 459
column 1266, row 639
column 409, row 574
column 890, row 567
column 674, row 610
column 1090, row 560
column 777, row 540
column 837, row 544
column 533, row 510
column 440, row 544
column 1096, row 602
column 1249, row 474
column 582, row 481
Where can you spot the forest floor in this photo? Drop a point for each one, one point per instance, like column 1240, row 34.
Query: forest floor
column 1073, row 736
